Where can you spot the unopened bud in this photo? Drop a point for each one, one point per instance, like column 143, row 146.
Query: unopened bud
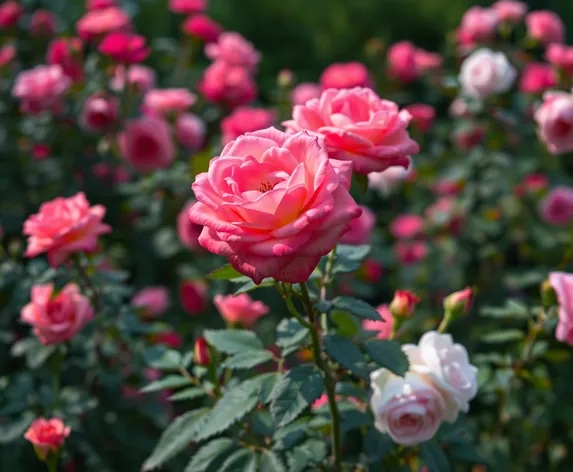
column 403, row 304
column 285, row 78
column 548, row 295
column 458, row 303
column 202, row 356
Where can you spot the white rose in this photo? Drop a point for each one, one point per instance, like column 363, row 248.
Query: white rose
column 408, row 409
column 486, row 73
column 384, row 182
column 447, row 365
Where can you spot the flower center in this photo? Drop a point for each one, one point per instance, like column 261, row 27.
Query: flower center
column 265, row 187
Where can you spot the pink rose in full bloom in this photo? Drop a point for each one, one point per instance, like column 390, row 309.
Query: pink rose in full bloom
column 560, row 55
column 187, row 7
column 47, row 435
column 147, row 143
column 202, row 27
column 42, row 22
column 68, row 54
column 57, row 318
column 304, row 92
column 245, row 119
column 555, row 122
column 95, row 24
column 190, row 131
column 234, row 50
column 125, row 47
column 422, row 115
column 478, row 24
column 7, row 54
column 151, row 301
column 10, row 13
column 165, row 101
column 240, row 309
column 188, row 231
column 273, row 204
column 562, row 283
column 383, row 328
column 64, row 226
column 411, row 252
column 345, row 75
column 557, row 207
column 41, row 88
column 193, row 296
column 402, row 61
column 141, row 78
column 223, row 83
column 97, row 4
column 407, row 226
column 537, row 77
column 360, row 231
column 358, row 126
column 99, row 112
column 545, row 26
column 511, row 11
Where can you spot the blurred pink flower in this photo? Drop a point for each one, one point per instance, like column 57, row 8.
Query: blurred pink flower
column 95, row 24
column 360, row 231
column 188, row 231
column 446, row 214
column 99, row 112
column 383, row 328
column 545, row 26
column 41, row 88
column 40, row 151
column 510, row 10
column 203, row 28
column 535, row 183
column 227, row 84
column 165, row 101
column 386, row 181
column 537, row 77
column 42, row 22
column 468, row 137
column 193, row 296
column 486, row 73
column 98, row 4
column 240, row 310
column 422, row 115
column 402, row 61
column 371, row 270
column 478, row 25
column 47, row 436
column 411, row 252
column 304, row 92
column 562, row 283
column 560, row 55
column 555, row 122
column 7, row 54
column 68, row 54
column 345, row 75
column 245, row 119
column 557, row 207
column 234, row 50
column 124, row 47
column 187, row 7
column 427, row 61
column 151, row 301
column 190, row 131
column 10, row 13
column 141, row 78
column 168, row 338
column 407, row 226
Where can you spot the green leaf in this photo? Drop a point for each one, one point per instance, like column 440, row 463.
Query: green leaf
column 208, row 454
column 234, row 405
column 388, row 354
column 271, row 462
column 175, row 438
column 237, row 460
column 361, row 180
column 267, row 386
column 38, row 354
column 357, row 307
column 247, row 360
column 249, row 285
column 233, row 341
column 163, row 359
column 226, row 272
column 498, row 337
column 343, row 351
column 346, row 324
column 377, row 445
column 354, row 419
column 310, row 452
column 12, row 430
column 188, row 394
column 349, row 258
column 466, row 452
column 21, row 347
column 291, row 336
column 512, row 310
column 285, row 438
column 433, row 456
column 297, row 389
column 171, row 381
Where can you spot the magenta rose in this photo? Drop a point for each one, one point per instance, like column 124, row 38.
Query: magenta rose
column 273, row 204
column 545, row 26
column 562, row 283
column 124, row 47
column 557, row 207
column 560, row 55
column 555, row 122
column 190, row 131
column 245, row 119
column 99, row 112
column 241, row 309
column 151, row 301
column 537, row 77
column 202, row 27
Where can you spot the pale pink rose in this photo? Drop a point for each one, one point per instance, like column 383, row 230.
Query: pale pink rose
column 227, row 84
column 47, row 435
column 165, row 101
column 562, row 283
column 147, row 143
column 360, row 231
column 187, row 7
column 42, row 22
column 557, row 207
column 7, row 54
column 190, row 131
column 402, row 61
column 57, row 318
column 386, row 181
column 234, row 50
column 486, row 73
column 478, row 24
column 304, row 92
column 97, row 23
column 193, row 296
column 427, row 61
column 510, row 10
column 245, row 119
column 141, row 78
column 357, row 126
column 10, row 13
column 560, row 55
column 345, row 75
column 545, row 26
column 99, row 113
column 459, row 108
column 240, row 309
column 202, row 27
column 273, row 204
column 64, row 226
column 408, row 409
column 422, row 115
column 41, row 88
column 151, row 301
column 537, row 77
column 407, row 226
column 188, row 231
column 555, row 122
column 68, row 54
column 383, row 328
column 411, row 252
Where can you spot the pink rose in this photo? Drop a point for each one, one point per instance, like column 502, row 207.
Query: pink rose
column 68, row 54
column 386, row 181
column 402, row 61
column 411, row 252
column 151, row 301
column 141, row 78
column 557, row 207
column 234, row 50
column 64, row 226
column 407, row 226
column 187, row 7
column 10, row 13
column 188, row 231
column 245, row 119
column 240, row 309
column 545, row 26
column 383, row 328
column 165, row 101
column 99, row 113
column 42, row 22
column 555, row 122
column 427, row 61
column 304, row 92
column 97, row 23
column 560, row 55
column 97, row 4
column 478, row 24
column 190, row 131
column 357, row 126
column 193, row 296
column 537, row 77
column 41, row 88
column 124, row 47
column 562, row 283
column 486, row 73
column 57, row 318
column 7, row 54
column 345, row 75
column 47, row 435
column 147, row 143
column 422, row 115
column 202, row 27
column 360, row 231
column 510, row 10
column 273, row 204
column 168, row 338
column 535, row 183
column 223, row 83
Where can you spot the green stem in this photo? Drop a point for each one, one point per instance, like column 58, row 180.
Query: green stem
column 443, row 327
column 52, row 462
column 87, row 282
column 56, row 368
column 327, row 273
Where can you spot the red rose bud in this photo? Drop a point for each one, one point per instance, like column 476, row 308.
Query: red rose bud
column 201, row 352
column 458, row 303
column 403, row 304
column 47, row 436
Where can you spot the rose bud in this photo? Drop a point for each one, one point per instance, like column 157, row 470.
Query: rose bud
column 403, row 304
column 47, row 436
column 201, row 354
column 458, row 303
